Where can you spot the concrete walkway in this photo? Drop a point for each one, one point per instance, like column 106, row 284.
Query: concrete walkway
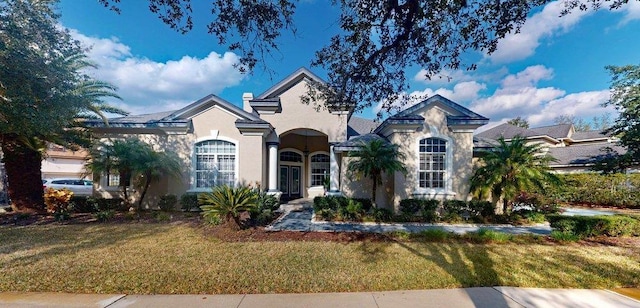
column 494, row 297
column 298, row 216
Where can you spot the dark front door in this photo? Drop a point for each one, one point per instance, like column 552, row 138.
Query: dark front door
column 290, row 182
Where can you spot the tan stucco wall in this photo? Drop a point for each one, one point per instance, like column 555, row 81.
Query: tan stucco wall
column 295, row 115
column 353, row 187
column 460, row 146
column 214, row 123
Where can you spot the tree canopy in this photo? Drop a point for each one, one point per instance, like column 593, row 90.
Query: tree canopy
column 519, row 121
column 43, row 93
column 377, row 40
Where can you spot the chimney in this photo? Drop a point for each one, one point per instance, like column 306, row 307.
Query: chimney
column 246, row 97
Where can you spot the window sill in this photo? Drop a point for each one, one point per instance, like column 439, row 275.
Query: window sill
column 432, row 193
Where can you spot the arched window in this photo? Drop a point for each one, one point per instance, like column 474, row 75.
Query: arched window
column 290, row 156
column 215, row 163
column 319, row 169
column 433, row 157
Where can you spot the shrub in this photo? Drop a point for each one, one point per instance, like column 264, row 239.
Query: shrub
column 58, row 202
column 366, row 203
column 228, row 203
column 82, row 204
column 167, row 203
column 382, row 215
column 621, row 190
column 102, row 204
column 104, row 216
column 353, row 211
column 481, row 208
column 189, row 202
column 586, row 226
column 411, row 206
column 263, row 212
column 326, row 214
column 320, row 203
column 458, row 207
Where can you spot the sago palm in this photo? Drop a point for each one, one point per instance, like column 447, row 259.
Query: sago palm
column 511, row 167
column 227, row 202
column 372, row 159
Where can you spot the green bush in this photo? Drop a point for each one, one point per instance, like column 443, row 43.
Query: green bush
column 433, row 235
column 481, row 208
column 366, row 203
column 326, row 214
column 167, row 203
column 587, row 226
column 382, row 214
column 266, row 204
column 82, row 204
column 104, row 216
column 488, row 236
column 103, row 204
column 228, row 203
column 189, row 202
column 458, row 207
column 353, row 211
column 162, row 216
column 621, row 190
column 411, row 206
column 564, row 236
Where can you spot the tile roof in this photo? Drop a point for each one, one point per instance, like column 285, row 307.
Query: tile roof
column 582, row 154
column 592, row 134
column 360, row 126
column 505, row 130
column 554, row 131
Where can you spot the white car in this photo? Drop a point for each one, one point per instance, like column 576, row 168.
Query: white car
column 79, row 187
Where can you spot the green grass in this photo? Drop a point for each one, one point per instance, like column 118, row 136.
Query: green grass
column 177, row 258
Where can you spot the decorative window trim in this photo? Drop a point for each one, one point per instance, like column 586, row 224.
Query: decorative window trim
column 432, row 192
column 192, row 171
column 309, row 169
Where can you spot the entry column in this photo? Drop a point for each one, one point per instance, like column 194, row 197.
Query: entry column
column 334, row 173
column 273, row 166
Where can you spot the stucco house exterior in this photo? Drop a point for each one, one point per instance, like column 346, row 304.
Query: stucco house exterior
column 291, row 149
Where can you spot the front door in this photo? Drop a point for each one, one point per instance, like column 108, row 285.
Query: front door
column 290, row 182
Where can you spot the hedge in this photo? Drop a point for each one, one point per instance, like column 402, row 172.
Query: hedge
column 587, row 226
column 620, row 190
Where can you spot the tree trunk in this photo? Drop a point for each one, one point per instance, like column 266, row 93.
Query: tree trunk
column 123, row 184
column 147, row 183
column 505, row 206
column 373, row 191
column 23, row 166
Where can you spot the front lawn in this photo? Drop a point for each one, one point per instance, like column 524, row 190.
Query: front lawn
column 144, row 258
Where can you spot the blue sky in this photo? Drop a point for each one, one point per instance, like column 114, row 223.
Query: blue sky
column 554, row 66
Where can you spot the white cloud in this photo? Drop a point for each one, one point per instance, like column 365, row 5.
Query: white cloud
column 144, row 83
column 461, row 92
column 448, row 77
column 517, row 46
column 631, row 12
column 519, row 94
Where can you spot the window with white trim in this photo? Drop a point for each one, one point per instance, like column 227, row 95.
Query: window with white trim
column 215, row 163
column 319, row 169
column 433, row 157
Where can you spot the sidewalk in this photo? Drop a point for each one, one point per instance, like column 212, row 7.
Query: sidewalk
column 299, row 217
column 469, row 297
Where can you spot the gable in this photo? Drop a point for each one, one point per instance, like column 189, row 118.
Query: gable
column 207, row 103
column 287, row 83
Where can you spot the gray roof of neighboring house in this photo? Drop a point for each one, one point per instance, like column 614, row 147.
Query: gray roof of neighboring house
column 592, row 134
column 582, row 154
column 360, row 126
column 505, row 130
column 509, row 131
column 553, row 131
column 142, row 118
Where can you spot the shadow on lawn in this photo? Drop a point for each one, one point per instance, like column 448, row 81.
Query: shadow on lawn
column 48, row 241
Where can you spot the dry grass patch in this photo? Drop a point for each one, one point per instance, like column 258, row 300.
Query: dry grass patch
column 179, row 258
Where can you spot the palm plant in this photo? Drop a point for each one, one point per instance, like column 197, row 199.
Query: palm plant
column 372, row 159
column 511, row 167
column 227, row 202
column 132, row 159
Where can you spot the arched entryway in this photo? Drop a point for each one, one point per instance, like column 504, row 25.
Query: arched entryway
column 303, row 163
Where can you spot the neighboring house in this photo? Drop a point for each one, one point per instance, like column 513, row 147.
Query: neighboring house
column 60, row 162
column 575, row 151
column 292, row 149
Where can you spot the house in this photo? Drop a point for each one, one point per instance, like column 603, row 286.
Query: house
column 60, row 162
column 291, row 149
column 574, row 151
